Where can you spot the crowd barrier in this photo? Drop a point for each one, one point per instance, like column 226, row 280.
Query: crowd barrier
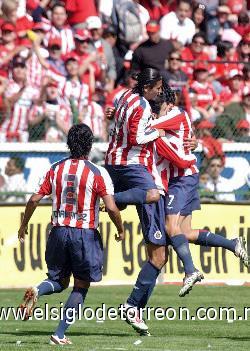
column 23, row 265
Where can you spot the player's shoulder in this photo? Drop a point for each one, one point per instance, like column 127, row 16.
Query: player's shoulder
column 96, row 169
column 58, row 163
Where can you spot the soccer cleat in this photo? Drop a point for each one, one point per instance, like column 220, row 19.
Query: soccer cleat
column 143, row 332
column 189, row 281
column 54, row 340
column 133, row 318
column 241, row 251
column 29, row 302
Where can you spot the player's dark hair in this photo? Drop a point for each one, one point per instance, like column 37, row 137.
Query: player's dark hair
column 19, row 162
column 148, row 77
column 80, row 140
column 168, row 93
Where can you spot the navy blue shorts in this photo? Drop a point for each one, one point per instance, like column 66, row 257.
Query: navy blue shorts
column 74, row 251
column 153, row 219
column 131, row 176
column 183, row 196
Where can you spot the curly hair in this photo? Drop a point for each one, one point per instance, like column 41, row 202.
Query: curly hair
column 149, row 76
column 80, row 140
column 168, row 94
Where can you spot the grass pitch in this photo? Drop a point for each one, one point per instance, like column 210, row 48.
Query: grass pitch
column 117, row 335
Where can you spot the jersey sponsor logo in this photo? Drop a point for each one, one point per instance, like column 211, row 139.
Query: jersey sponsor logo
column 157, row 235
column 71, row 215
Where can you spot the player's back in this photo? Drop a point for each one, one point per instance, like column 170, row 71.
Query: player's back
column 76, row 186
column 178, row 126
column 132, row 116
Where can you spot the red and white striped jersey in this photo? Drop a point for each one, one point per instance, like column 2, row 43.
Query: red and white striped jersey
column 55, row 113
column 76, row 186
column 130, row 140
column 205, row 93
column 16, row 123
column 66, row 36
column 178, row 126
column 77, row 91
column 35, row 71
column 94, row 118
column 56, row 75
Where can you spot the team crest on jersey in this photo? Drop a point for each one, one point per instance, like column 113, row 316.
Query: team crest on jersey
column 157, row 235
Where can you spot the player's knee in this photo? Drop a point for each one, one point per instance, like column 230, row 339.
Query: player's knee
column 160, row 259
column 153, row 195
column 173, row 229
column 81, row 284
column 64, row 282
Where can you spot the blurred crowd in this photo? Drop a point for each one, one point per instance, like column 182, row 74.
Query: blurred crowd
column 65, row 62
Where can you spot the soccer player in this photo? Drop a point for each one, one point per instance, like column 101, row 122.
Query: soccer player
column 74, row 244
column 183, row 197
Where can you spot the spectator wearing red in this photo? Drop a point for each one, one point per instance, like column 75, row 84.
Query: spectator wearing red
column 195, row 54
column 60, row 28
column 211, row 146
column 94, row 117
column 226, row 52
column 79, row 11
column 89, row 70
column 19, row 97
column 206, row 96
column 232, row 92
column 242, row 131
column 54, row 64
column 50, row 119
column 156, row 8
column 243, row 25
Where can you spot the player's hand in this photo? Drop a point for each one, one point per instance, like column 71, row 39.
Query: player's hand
column 120, row 236
column 190, row 143
column 21, row 233
column 162, row 132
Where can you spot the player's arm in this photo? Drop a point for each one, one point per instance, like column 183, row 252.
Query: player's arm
column 114, row 215
column 29, row 210
column 139, row 131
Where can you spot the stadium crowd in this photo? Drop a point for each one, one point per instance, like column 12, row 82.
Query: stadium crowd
column 65, row 62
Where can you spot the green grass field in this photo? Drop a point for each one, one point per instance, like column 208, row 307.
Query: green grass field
column 117, row 335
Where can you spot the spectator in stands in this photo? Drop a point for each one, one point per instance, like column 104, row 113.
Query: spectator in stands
column 196, row 112
column 198, row 17
column 206, row 96
column 74, row 91
column 18, row 97
column 13, row 181
column 243, row 25
column 54, row 64
column 50, row 119
column 232, row 92
column 242, row 131
column 226, row 52
column 153, row 52
column 78, row 11
column 246, row 74
column 215, row 25
column 103, row 49
column 94, row 117
column 222, row 187
column 177, row 25
column 174, row 76
column 195, row 54
column 233, row 113
column 8, row 46
column 156, row 8
column 60, row 29
column 243, row 50
column 110, row 35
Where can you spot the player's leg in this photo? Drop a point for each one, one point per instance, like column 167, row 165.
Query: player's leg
column 206, row 238
column 58, row 270
column 153, row 228
column 133, row 185
column 86, row 257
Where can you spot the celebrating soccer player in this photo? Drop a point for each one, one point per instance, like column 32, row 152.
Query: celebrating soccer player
column 74, row 244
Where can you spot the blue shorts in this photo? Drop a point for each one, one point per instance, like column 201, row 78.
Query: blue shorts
column 131, row 176
column 74, row 251
column 153, row 220
column 183, row 196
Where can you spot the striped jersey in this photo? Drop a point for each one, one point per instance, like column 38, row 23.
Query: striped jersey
column 76, row 186
column 66, row 35
column 94, row 118
column 76, row 92
column 130, row 140
column 178, row 126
